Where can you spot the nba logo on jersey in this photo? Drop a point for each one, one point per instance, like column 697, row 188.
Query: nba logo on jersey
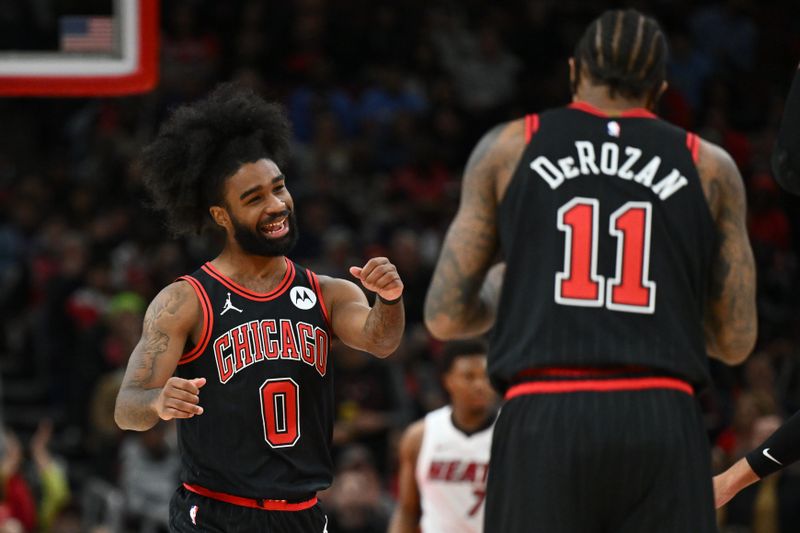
column 193, row 514
column 613, row 128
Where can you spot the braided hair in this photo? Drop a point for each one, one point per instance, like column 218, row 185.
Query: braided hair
column 624, row 50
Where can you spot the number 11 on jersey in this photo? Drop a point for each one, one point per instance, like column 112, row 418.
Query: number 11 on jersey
column 579, row 284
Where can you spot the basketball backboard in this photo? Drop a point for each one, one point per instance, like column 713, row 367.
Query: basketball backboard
column 78, row 47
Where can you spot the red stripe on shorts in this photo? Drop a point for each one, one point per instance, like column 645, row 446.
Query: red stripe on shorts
column 598, row 385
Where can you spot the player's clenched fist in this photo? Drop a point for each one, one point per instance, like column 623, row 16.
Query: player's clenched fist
column 180, row 398
column 380, row 276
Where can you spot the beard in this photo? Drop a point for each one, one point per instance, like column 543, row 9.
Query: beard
column 256, row 243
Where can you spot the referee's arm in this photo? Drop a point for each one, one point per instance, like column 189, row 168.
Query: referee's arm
column 786, row 154
column 780, row 450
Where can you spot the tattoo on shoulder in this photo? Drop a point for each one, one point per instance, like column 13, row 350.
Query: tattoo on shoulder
column 483, row 147
column 732, row 281
column 720, row 179
column 154, row 340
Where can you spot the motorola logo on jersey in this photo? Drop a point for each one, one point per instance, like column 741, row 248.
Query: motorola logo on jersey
column 303, row 298
column 261, row 341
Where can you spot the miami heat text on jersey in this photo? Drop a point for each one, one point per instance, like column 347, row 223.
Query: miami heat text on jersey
column 267, row 424
column 451, row 473
column 608, row 241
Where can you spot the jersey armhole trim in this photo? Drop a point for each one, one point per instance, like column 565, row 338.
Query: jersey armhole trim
column 531, row 126
column 312, row 278
column 208, row 321
column 693, row 144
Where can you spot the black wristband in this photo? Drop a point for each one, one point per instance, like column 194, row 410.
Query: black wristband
column 760, row 464
column 384, row 301
column 781, row 449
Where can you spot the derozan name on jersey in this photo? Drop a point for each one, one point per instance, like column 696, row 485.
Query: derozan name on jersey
column 267, row 340
column 613, row 161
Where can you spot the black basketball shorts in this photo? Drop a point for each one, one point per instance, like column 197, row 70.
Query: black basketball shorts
column 630, row 461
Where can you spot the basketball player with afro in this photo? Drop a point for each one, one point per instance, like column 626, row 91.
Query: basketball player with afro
column 237, row 352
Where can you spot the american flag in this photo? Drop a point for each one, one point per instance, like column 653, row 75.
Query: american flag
column 87, row 34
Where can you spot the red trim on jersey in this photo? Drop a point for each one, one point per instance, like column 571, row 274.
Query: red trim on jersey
column 266, row 505
column 531, row 126
column 285, row 283
column 318, row 290
column 208, row 321
column 527, row 129
column 693, row 144
column 636, row 112
column 598, row 385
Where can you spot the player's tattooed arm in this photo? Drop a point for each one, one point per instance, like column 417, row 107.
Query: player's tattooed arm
column 461, row 301
column 377, row 329
column 169, row 321
column 730, row 318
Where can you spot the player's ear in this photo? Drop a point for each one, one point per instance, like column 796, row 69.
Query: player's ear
column 576, row 70
column 573, row 75
column 447, row 383
column 657, row 94
column 220, row 216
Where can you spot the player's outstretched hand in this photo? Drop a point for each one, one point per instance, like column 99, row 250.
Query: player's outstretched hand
column 380, row 276
column 722, row 492
column 730, row 482
column 180, row 398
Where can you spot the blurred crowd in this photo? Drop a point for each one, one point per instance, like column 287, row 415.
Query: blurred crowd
column 386, row 100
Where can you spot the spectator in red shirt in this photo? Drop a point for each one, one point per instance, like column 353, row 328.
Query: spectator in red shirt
column 15, row 494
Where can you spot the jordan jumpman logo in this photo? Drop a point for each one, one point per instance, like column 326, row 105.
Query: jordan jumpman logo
column 228, row 306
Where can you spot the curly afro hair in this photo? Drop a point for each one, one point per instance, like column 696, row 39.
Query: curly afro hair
column 202, row 144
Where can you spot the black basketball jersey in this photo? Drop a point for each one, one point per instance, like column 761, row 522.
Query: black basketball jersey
column 267, row 423
column 608, row 241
